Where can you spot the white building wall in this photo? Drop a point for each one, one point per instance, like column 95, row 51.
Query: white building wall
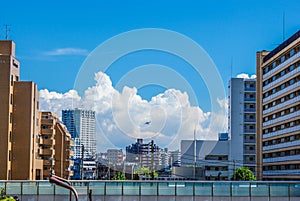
column 241, row 122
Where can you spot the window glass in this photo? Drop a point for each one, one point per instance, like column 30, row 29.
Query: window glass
column 292, row 52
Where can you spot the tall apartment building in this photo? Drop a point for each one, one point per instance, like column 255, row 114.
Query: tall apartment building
column 26, row 162
column 81, row 124
column 47, row 142
column 18, row 120
column 278, row 111
column 242, row 122
column 55, row 146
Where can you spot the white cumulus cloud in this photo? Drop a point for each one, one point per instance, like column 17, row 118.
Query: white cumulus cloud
column 245, row 75
column 124, row 116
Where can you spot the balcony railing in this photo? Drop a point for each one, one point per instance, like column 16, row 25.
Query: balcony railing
column 282, row 159
column 249, row 152
column 281, row 105
column 280, row 132
column 281, row 172
column 283, row 118
column 282, row 145
column 286, row 76
column 249, row 141
column 250, row 110
column 282, row 65
column 249, row 130
column 293, row 86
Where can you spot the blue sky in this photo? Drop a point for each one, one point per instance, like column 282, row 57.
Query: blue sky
column 230, row 31
column 54, row 38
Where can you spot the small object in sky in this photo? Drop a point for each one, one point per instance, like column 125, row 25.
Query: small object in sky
column 147, row 122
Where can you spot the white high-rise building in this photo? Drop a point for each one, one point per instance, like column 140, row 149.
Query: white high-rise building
column 81, row 124
column 242, row 122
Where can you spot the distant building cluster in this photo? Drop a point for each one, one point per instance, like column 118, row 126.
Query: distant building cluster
column 263, row 131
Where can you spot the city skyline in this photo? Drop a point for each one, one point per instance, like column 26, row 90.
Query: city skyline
column 50, row 50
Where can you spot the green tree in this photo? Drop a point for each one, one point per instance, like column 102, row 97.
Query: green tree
column 4, row 197
column 145, row 172
column 119, row 176
column 243, row 174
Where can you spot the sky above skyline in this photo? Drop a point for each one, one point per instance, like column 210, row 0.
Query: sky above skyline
column 54, row 38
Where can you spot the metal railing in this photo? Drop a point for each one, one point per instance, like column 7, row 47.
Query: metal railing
column 41, row 190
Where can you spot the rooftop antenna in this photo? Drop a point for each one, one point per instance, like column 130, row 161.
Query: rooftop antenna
column 7, row 30
column 231, row 64
column 283, row 26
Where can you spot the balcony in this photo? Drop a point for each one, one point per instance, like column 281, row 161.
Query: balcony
column 282, row 145
column 280, row 132
column 281, row 105
column 282, row 65
column 249, row 99
column 249, row 120
column 285, row 90
column 251, row 152
column 282, row 118
column 249, row 130
column 47, row 152
column 48, row 162
column 282, row 159
column 285, row 77
column 248, row 162
column 47, row 121
column 46, row 141
column 47, row 131
column 250, row 89
column 281, row 172
column 249, row 109
column 250, row 141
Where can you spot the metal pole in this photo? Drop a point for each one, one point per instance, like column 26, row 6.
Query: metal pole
column 90, row 195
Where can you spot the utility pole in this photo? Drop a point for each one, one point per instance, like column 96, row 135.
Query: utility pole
column 234, row 168
column 195, row 155
column 152, row 159
column 108, row 169
column 82, row 156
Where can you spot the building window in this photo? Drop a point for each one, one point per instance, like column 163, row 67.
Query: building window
column 11, row 80
column 292, row 52
column 10, row 117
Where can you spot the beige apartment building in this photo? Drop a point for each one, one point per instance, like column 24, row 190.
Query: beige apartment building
column 278, row 111
column 27, row 147
column 55, row 146
column 64, row 152
column 26, row 163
